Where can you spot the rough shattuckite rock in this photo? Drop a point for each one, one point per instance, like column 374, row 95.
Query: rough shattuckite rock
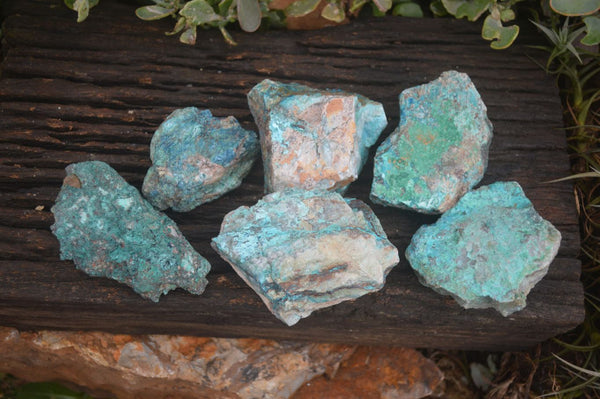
column 196, row 158
column 313, row 139
column 306, row 250
column 440, row 149
column 487, row 251
column 105, row 226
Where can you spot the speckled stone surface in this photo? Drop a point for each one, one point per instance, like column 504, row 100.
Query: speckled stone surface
column 105, row 226
column 305, row 250
column 175, row 366
column 440, row 149
column 313, row 139
column 488, row 251
column 196, row 158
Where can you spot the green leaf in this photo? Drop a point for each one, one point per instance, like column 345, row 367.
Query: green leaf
column 152, row 13
column 300, row 8
column 275, row 19
column 408, row 10
column 227, row 36
column 82, row 7
column 576, row 176
column 375, row 11
column 47, row 390
column 333, row 11
column 507, row 15
column 224, row 6
column 383, row 5
column 162, row 3
column 198, row 12
column 249, row 14
column 473, row 9
column 356, row 5
column 574, row 8
column 503, row 36
column 178, row 27
column 437, row 8
column 552, row 36
column 452, row 5
column 71, row 4
column 592, row 27
column 188, row 36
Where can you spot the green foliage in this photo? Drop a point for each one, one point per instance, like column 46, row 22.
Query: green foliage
column 501, row 36
column 334, row 11
column 576, row 368
column 82, row 7
column 249, row 14
column 151, row 13
column 574, row 8
column 301, row 8
column 498, row 13
column 437, row 8
column 12, row 388
column 562, row 39
column 581, row 8
column 472, row 9
column 578, row 66
column 383, row 5
column 199, row 12
column 192, row 14
column 592, row 27
column 408, row 9
column 47, row 390
column 580, row 377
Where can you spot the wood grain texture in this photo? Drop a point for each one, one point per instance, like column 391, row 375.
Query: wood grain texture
column 96, row 91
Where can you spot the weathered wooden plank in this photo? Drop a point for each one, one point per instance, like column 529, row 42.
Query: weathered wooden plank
column 401, row 311
column 98, row 90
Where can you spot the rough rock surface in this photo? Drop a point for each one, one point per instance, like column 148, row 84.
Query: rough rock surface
column 305, row 250
column 105, row 226
column 440, row 149
column 161, row 366
column 375, row 373
column 313, row 139
column 196, row 158
column 487, row 251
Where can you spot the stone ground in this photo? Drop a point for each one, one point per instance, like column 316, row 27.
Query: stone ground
column 161, row 366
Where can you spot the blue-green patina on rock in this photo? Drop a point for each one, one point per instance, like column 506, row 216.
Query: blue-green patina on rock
column 487, row 251
column 306, row 250
column 105, row 226
column 440, row 149
column 196, row 158
column 313, row 139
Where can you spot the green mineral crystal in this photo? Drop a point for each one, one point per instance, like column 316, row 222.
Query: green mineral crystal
column 306, row 250
column 196, row 158
column 105, row 226
column 487, row 251
column 313, row 139
column 440, row 149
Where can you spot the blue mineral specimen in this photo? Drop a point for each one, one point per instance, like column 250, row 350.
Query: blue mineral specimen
column 196, row 158
column 306, row 250
column 487, row 251
column 313, row 139
column 440, row 149
column 105, row 226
